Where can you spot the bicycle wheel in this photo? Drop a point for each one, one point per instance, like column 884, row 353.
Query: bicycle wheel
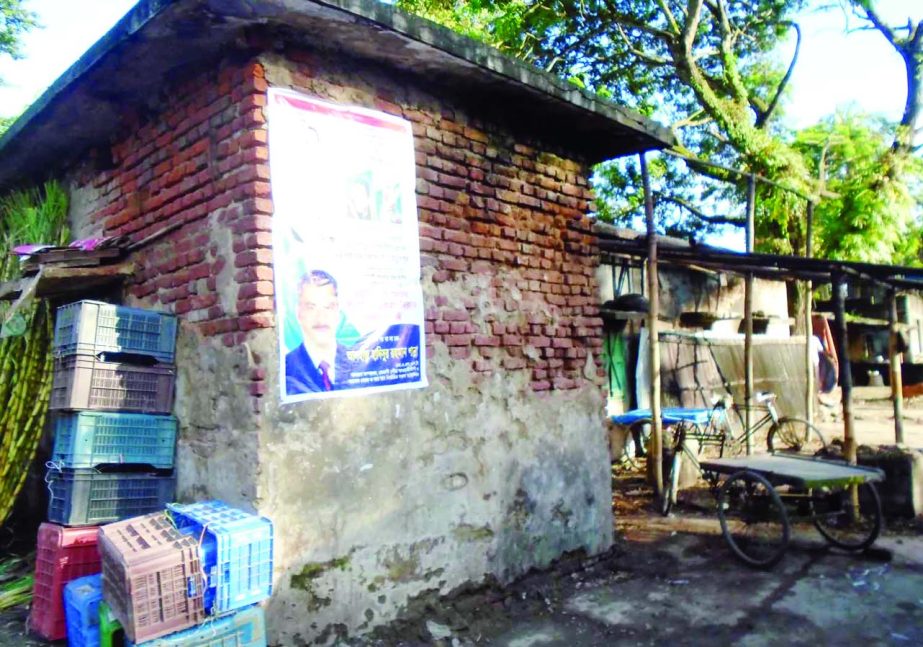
column 797, row 436
column 837, row 519
column 753, row 519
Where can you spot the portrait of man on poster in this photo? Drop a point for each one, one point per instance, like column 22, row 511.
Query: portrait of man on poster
column 319, row 363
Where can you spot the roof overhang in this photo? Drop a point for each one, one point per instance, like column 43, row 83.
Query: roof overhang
column 160, row 40
column 617, row 243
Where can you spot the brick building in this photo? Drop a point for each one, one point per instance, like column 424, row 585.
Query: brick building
column 501, row 464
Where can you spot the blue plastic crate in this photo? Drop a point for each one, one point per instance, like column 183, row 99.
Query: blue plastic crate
column 93, row 327
column 236, row 550
column 85, row 497
column 81, row 607
column 92, row 438
column 246, row 628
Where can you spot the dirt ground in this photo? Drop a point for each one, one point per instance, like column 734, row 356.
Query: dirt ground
column 873, row 414
column 673, row 581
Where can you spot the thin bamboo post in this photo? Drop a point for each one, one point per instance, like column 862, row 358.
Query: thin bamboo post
column 653, row 332
column 808, row 327
column 748, row 316
column 895, row 358
column 839, row 311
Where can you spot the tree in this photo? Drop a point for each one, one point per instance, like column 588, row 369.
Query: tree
column 15, row 21
column 875, row 191
column 705, row 66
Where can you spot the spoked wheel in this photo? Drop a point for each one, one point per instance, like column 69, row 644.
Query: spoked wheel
column 796, row 436
column 837, row 519
column 753, row 519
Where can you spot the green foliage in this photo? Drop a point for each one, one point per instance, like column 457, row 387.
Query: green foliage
column 14, row 22
column 25, row 361
column 876, row 214
column 708, row 69
column 15, row 582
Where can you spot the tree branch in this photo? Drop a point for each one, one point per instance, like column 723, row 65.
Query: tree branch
column 698, row 213
column 691, row 27
column 763, row 118
column 664, row 7
column 644, row 56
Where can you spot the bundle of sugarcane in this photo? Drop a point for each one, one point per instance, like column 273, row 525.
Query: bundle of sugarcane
column 15, row 583
column 36, row 216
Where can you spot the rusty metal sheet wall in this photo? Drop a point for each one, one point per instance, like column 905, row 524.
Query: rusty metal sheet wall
column 693, row 369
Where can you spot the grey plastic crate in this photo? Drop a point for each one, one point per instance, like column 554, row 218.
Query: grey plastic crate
column 85, row 497
column 85, row 382
column 93, row 327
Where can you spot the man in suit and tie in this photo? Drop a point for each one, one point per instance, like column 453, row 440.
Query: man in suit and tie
column 319, row 362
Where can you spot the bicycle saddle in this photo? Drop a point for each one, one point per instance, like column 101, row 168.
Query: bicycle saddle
column 764, row 396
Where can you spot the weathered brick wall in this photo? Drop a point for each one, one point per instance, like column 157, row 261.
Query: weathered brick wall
column 501, row 464
column 491, row 206
column 486, row 203
column 200, row 169
column 498, row 467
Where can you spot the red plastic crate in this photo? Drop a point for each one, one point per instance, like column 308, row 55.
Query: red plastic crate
column 62, row 554
column 152, row 576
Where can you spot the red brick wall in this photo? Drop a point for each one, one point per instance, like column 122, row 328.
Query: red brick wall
column 493, row 206
column 200, row 165
column 487, row 205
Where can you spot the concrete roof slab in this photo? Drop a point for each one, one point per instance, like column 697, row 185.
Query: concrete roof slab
column 159, row 40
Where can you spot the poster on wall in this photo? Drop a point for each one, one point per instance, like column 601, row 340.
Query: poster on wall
column 346, row 252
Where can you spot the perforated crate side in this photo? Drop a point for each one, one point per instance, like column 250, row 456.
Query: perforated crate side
column 237, row 550
column 81, row 608
column 90, row 438
column 62, row 554
column 85, row 382
column 87, row 497
column 92, row 327
column 151, row 577
column 246, row 628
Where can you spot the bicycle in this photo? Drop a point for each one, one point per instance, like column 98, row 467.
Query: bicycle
column 786, row 435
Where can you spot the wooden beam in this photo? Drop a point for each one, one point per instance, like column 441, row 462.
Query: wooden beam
column 653, row 325
column 69, row 281
column 809, row 387
column 748, row 315
column 895, row 357
column 842, row 337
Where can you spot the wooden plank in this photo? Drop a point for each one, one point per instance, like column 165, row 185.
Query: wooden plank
column 65, row 281
column 10, row 290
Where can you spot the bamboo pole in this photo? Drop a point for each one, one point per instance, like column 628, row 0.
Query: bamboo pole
column 809, row 388
column 839, row 309
column 748, row 316
column 895, row 357
column 653, row 332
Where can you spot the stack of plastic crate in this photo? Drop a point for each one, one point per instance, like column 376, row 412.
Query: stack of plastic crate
column 112, row 395
column 233, row 558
